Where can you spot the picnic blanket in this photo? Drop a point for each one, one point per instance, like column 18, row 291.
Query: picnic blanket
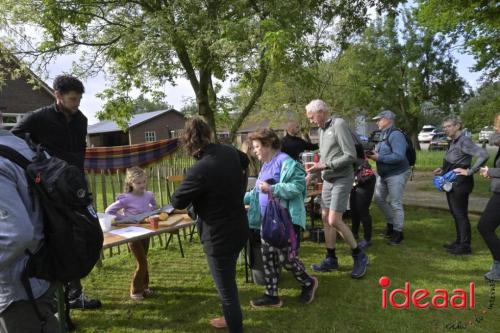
column 121, row 157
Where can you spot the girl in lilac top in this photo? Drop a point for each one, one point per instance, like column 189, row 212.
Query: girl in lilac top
column 135, row 201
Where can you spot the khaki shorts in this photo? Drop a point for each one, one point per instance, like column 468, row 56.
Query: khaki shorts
column 335, row 194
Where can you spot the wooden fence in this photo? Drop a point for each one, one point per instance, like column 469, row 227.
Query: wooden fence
column 105, row 185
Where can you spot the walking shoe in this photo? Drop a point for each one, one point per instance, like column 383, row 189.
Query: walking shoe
column 359, row 267
column 137, row 296
column 363, row 244
column 494, row 273
column 360, row 264
column 219, row 322
column 451, row 245
column 397, row 238
column 460, row 250
column 328, row 264
column 307, row 294
column 82, row 302
column 266, row 301
column 388, row 232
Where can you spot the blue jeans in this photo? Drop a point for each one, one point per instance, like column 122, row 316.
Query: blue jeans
column 223, row 270
column 389, row 198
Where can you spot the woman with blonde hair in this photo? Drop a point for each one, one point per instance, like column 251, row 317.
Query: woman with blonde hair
column 136, row 200
column 490, row 219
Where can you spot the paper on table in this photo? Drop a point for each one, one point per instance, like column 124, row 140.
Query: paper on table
column 130, row 232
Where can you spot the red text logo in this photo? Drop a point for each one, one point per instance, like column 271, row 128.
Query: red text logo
column 423, row 298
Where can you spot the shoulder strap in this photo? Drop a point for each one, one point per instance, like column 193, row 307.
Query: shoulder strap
column 14, row 156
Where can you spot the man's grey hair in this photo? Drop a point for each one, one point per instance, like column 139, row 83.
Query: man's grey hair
column 317, row 105
column 455, row 120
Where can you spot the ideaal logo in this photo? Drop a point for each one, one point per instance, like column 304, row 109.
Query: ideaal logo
column 422, row 298
column 464, row 299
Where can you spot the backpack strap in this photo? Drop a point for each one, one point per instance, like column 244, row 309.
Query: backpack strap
column 14, row 156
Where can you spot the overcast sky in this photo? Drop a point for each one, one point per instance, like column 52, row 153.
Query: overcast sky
column 178, row 94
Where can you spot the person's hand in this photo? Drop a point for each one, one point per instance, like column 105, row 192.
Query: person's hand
column 264, row 187
column 461, row 171
column 308, row 179
column 372, row 156
column 484, row 172
column 314, row 167
column 437, row 171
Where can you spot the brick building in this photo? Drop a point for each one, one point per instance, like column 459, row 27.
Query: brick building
column 143, row 127
column 21, row 95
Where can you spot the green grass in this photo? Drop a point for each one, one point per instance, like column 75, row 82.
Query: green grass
column 186, row 299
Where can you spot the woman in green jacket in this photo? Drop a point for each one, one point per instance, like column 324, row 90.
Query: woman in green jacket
column 288, row 177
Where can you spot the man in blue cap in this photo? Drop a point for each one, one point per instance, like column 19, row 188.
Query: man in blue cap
column 393, row 171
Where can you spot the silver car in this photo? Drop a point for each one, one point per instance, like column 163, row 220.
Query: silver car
column 486, row 133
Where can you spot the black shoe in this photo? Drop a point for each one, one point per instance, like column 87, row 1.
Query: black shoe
column 389, row 231
column 266, row 301
column 307, row 294
column 397, row 238
column 460, row 250
column 451, row 245
column 83, row 302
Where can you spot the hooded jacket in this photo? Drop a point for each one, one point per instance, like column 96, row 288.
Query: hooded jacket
column 21, row 226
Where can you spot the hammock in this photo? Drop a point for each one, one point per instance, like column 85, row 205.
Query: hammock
column 122, row 157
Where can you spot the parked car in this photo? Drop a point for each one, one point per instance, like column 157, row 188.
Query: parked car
column 427, row 132
column 440, row 141
column 485, row 134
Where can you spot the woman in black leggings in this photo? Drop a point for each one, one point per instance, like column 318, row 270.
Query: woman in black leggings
column 490, row 219
column 360, row 200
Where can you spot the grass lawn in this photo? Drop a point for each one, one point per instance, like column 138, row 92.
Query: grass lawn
column 185, row 297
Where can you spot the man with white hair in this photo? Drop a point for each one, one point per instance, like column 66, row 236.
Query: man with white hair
column 292, row 144
column 338, row 155
column 393, row 171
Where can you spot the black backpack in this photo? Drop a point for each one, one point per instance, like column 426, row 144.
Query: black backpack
column 72, row 235
column 411, row 153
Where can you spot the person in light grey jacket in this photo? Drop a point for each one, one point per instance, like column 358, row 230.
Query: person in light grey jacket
column 21, row 229
column 338, row 155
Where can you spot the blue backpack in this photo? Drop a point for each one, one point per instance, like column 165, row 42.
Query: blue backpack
column 277, row 229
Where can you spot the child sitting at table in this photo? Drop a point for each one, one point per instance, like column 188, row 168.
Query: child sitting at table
column 136, row 201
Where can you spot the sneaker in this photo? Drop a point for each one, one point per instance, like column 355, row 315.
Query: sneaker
column 82, row 302
column 363, row 244
column 359, row 267
column 137, row 296
column 219, row 322
column 460, row 249
column 397, row 238
column 494, row 273
column 388, row 232
column 451, row 245
column 328, row 264
column 266, row 301
column 307, row 294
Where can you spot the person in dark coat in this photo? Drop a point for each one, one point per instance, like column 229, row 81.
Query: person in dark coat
column 215, row 186
column 292, row 144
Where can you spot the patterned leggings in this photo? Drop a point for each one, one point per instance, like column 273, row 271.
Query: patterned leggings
column 272, row 257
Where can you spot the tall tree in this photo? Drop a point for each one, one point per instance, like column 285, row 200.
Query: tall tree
column 142, row 44
column 480, row 109
column 474, row 24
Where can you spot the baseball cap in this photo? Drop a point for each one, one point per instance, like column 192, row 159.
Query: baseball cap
column 387, row 114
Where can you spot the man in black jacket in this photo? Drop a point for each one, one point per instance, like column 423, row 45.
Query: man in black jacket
column 62, row 129
column 292, row 144
column 216, row 185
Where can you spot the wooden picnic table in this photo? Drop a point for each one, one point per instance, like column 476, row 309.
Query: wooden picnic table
column 172, row 224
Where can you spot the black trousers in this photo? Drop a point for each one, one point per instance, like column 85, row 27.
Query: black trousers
column 359, row 201
column 489, row 222
column 458, row 202
column 223, row 270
